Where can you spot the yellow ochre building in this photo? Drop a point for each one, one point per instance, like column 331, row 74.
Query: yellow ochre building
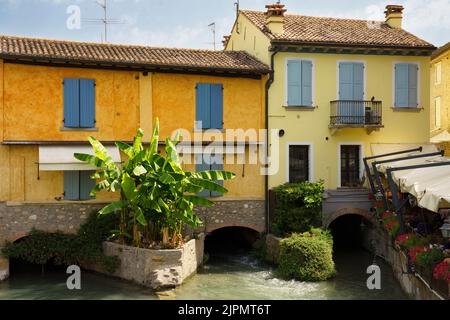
column 339, row 87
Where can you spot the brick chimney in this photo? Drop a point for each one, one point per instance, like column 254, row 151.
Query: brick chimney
column 394, row 16
column 275, row 18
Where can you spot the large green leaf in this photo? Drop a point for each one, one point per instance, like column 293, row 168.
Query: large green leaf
column 199, row 201
column 139, row 171
column 140, row 217
column 125, row 148
column 101, row 152
column 129, row 187
column 155, row 139
column 89, row 159
column 214, row 175
column 113, row 207
column 137, row 145
column 208, row 185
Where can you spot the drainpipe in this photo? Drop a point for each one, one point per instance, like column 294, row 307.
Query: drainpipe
column 268, row 85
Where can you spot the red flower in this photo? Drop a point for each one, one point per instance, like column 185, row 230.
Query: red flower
column 391, row 224
column 371, row 196
column 442, row 271
column 414, row 251
column 379, row 204
column 386, row 214
column 403, row 238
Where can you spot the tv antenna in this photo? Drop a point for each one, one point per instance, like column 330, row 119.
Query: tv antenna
column 213, row 29
column 237, row 5
column 105, row 21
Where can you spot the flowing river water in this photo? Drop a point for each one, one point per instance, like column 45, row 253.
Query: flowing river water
column 224, row 277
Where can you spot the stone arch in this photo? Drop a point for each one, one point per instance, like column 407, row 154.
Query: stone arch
column 348, row 211
column 217, row 226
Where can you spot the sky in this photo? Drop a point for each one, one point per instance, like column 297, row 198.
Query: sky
column 184, row 23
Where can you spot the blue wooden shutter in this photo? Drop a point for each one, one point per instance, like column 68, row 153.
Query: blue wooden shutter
column 203, row 163
column 412, row 85
column 294, row 70
column 86, row 184
column 358, row 112
column 217, row 164
column 346, row 81
column 401, row 85
column 306, row 94
column 203, row 102
column 216, row 106
column 87, row 103
column 71, row 185
column 71, row 103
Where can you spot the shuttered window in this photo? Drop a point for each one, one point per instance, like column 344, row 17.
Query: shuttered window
column 299, row 86
column 206, row 162
column 209, row 106
column 79, row 103
column 406, row 85
column 78, row 185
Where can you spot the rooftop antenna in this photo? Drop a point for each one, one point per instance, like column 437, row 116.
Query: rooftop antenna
column 213, row 28
column 237, row 5
column 105, row 21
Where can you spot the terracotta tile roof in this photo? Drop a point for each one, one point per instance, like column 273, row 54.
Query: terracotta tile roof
column 123, row 55
column 321, row 30
column 440, row 51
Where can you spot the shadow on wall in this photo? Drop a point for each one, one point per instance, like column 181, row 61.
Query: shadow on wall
column 348, row 231
column 229, row 240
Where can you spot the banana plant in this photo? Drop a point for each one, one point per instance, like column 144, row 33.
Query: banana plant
column 154, row 189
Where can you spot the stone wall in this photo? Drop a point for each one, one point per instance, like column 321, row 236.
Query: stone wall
column 246, row 213
column 272, row 249
column 156, row 269
column 376, row 239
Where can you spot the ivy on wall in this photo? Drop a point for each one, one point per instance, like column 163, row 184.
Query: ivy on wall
column 86, row 247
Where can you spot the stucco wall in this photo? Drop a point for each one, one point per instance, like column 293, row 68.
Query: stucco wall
column 34, row 103
column 440, row 90
column 312, row 127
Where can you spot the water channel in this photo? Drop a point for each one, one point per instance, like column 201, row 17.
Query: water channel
column 234, row 277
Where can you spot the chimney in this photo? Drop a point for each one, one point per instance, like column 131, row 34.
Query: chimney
column 394, row 16
column 275, row 18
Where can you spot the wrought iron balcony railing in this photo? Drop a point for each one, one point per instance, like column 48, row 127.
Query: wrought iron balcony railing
column 352, row 113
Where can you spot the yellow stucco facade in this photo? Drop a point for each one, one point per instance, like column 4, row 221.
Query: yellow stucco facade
column 440, row 93
column 31, row 108
column 311, row 126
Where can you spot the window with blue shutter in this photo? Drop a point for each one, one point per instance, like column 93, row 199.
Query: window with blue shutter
column 78, row 185
column 351, row 88
column 299, row 86
column 206, row 162
column 406, row 85
column 79, row 103
column 209, row 106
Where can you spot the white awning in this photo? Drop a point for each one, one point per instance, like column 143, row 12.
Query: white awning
column 61, row 158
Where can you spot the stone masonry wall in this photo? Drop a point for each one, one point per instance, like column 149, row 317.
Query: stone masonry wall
column 246, row 213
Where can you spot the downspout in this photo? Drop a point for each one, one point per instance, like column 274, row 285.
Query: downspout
column 268, row 85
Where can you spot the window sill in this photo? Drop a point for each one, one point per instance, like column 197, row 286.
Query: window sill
column 299, row 108
column 407, row 109
column 79, row 129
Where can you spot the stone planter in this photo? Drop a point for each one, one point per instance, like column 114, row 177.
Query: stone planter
column 272, row 249
column 157, row 269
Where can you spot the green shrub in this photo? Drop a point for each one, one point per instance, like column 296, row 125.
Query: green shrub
column 307, row 256
column 298, row 207
column 61, row 249
column 430, row 258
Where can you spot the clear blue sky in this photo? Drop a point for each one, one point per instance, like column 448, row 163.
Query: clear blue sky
column 184, row 23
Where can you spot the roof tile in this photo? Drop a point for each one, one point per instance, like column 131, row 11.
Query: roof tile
column 306, row 29
column 208, row 60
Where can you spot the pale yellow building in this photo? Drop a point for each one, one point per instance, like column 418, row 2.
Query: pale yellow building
column 339, row 86
column 440, row 96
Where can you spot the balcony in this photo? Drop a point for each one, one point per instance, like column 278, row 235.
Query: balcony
column 356, row 114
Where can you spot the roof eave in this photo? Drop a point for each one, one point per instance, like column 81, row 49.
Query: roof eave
column 130, row 65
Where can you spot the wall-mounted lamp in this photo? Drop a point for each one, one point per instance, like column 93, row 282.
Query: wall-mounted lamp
column 281, row 133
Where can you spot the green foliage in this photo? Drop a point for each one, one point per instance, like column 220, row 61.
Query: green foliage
column 430, row 258
column 414, row 241
column 307, row 256
column 298, row 207
column 60, row 249
column 155, row 192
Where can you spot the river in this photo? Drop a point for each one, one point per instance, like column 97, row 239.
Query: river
column 225, row 277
